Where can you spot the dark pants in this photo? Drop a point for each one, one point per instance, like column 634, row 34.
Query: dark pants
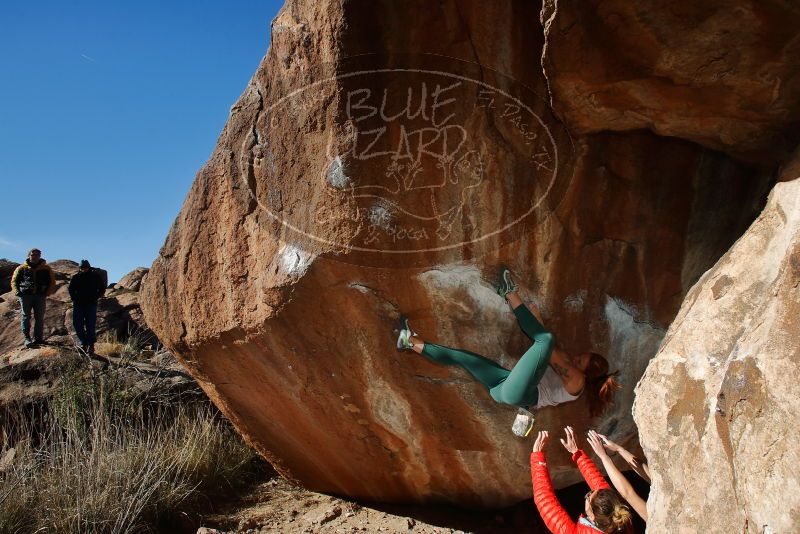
column 34, row 304
column 84, row 319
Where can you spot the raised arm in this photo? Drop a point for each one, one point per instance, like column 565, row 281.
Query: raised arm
column 636, row 464
column 621, row 483
column 589, row 471
column 585, row 464
column 555, row 517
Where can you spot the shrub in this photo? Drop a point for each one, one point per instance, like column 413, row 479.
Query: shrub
column 128, row 346
column 97, row 458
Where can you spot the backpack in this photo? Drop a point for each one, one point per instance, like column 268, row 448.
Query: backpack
column 102, row 274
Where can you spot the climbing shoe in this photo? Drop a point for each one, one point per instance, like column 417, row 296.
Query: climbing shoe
column 28, row 343
column 506, row 284
column 406, row 326
column 404, row 338
column 523, row 423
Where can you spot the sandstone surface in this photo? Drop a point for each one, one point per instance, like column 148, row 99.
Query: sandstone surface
column 388, row 160
column 722, row 73
column 718, row 407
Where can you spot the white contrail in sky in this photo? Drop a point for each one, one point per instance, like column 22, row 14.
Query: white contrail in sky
column 93, row 60
column 6, row 243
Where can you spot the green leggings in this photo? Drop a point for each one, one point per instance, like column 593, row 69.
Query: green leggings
column 518, row 386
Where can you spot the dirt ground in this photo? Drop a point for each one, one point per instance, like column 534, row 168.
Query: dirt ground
column 276, row 507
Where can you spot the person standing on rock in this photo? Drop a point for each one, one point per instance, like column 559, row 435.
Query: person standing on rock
column 85, row 288
column 32, row 281
column 543, row 376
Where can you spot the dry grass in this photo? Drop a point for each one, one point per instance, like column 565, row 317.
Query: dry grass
column 130, row 348
column 96, row 459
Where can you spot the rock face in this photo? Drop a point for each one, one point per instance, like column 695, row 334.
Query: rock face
column 722, row 73
column 133, row 280
column 380, row 163
column 118, row 312
column 717, row 408
column 6, row 270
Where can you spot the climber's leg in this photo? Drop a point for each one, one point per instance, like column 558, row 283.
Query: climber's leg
column 514, row 300
column 528, row 322
column 520, row 387
column 482, row 369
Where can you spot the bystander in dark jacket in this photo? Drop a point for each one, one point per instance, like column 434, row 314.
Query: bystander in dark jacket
column 85, row 288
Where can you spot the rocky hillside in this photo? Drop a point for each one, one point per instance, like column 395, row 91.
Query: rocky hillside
column 388, row 158
column 118, row 312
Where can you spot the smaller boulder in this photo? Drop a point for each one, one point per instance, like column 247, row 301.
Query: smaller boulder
column 64, row 269
column 133, row 280
column 6, row 270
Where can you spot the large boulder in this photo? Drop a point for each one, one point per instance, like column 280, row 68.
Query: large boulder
column 717, row 409
column 339, row 196
column 722, row 73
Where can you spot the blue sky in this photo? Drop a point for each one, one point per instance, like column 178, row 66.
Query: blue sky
column 107, row 111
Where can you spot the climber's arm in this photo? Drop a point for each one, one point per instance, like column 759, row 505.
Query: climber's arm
column 639, row 466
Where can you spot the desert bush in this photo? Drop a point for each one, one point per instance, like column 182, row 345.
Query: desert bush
column 128, row 346
column 100, row 457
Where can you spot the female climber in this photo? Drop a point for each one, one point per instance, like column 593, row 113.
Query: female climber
column 544, row 376
column 605, row 511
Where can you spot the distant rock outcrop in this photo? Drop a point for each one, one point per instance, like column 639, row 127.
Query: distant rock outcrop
column 379, row 163
column 133, row 280
column 6, row 270
column 717, row 408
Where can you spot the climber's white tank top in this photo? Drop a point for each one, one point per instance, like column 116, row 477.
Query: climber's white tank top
column 551, row 390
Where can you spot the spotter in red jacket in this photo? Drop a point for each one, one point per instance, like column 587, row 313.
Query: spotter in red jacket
column 554, row 516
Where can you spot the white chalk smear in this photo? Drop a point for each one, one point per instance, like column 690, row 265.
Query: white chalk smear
column 293, row 261
column 336, row 175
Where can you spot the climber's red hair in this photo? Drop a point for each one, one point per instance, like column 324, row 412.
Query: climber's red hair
column 600, row 384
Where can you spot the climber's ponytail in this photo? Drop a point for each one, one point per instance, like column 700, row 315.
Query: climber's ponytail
column 600, row 384
column 611, row 514
column 620, row 518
